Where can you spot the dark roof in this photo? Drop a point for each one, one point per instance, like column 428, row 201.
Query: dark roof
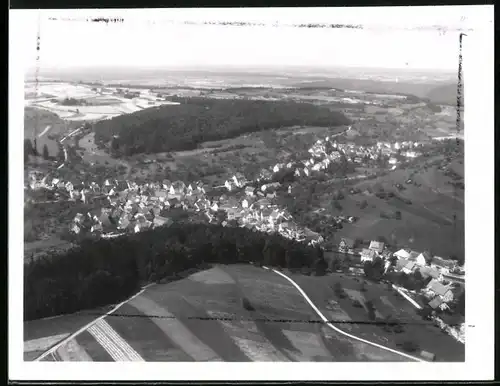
column 349, row 242
column 414, row 255
column 401, row 263
column 437, row 287
column 436, row 302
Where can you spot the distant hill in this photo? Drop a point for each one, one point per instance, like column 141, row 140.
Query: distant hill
column 445, row 94
column 197, row 120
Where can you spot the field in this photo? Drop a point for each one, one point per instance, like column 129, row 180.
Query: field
column 426, row 224
column 204, row 318
column 99, row 105
column 92, row 154
column 387, row 303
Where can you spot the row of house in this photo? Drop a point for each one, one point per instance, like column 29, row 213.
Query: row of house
column 408, row 261
column 133, row 208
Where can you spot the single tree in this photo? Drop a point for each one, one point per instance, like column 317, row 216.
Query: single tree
column 45, row 152
column 28, row 147
column 320, row 266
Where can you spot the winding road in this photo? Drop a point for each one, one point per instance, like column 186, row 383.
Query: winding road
column 325, row 319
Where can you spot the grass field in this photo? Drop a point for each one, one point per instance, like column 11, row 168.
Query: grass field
column 386, row 303
column 42, row 123
column 426, row 223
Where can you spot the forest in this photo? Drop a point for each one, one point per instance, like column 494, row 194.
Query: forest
column 106, row 271
column 197, row 120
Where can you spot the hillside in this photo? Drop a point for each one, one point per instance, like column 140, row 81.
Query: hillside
column 445, row 94
column 43, row 124
column 203, row 317
column 197, row 120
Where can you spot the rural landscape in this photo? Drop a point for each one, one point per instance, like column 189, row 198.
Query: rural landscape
column 243, row 215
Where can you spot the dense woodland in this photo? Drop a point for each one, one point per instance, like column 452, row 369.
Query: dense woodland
column 106, row 271
column 196, row 120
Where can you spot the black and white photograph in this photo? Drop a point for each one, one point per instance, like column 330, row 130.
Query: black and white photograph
column 225, row 186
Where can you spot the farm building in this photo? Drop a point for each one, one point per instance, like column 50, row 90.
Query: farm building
column 377, row 246
column 440, row 290
column 424, row 258
column 367, row 255
column 402, row 254
column 346, row 245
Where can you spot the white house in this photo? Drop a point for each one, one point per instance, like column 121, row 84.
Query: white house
column 393, row 161
column 423, row 258
column 367, row 255
column 244, row 203
column 249, row 191
column 236, row 182
column 376, row 246
column 402, row 254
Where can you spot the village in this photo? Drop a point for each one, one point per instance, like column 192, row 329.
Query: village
column 126, row 207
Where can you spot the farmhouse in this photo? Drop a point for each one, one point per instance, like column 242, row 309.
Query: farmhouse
column 376, row 246
column 409, row 267
column 436, row 302
column 424, row 258
column 367, row 255
column 414, row 255
column 431, row 272
column 440, row 290
column 346, row 245
column 402, row 254
column 249, row 190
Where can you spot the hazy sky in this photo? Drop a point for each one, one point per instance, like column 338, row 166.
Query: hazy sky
column 159, row 38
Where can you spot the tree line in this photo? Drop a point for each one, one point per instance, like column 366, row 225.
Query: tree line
column 197, row 120
column 104, row 271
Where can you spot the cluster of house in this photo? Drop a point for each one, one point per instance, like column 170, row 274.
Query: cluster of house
column 128, row 207
column 408, row 261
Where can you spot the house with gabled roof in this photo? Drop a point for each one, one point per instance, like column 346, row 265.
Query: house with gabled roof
column 430, row 272
column 414, row 255
column 376, row 246
column 402, row 254
column 229, row 185
column 424, row 258
column 265, row 174
column 367, row 255
column 409, row 267
column 401, row 263
column 444, row 292
column 346, row 245
column 436, row 302
column 249, row 190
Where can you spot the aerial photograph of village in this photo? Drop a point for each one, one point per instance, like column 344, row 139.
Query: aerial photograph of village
column 287, row 212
